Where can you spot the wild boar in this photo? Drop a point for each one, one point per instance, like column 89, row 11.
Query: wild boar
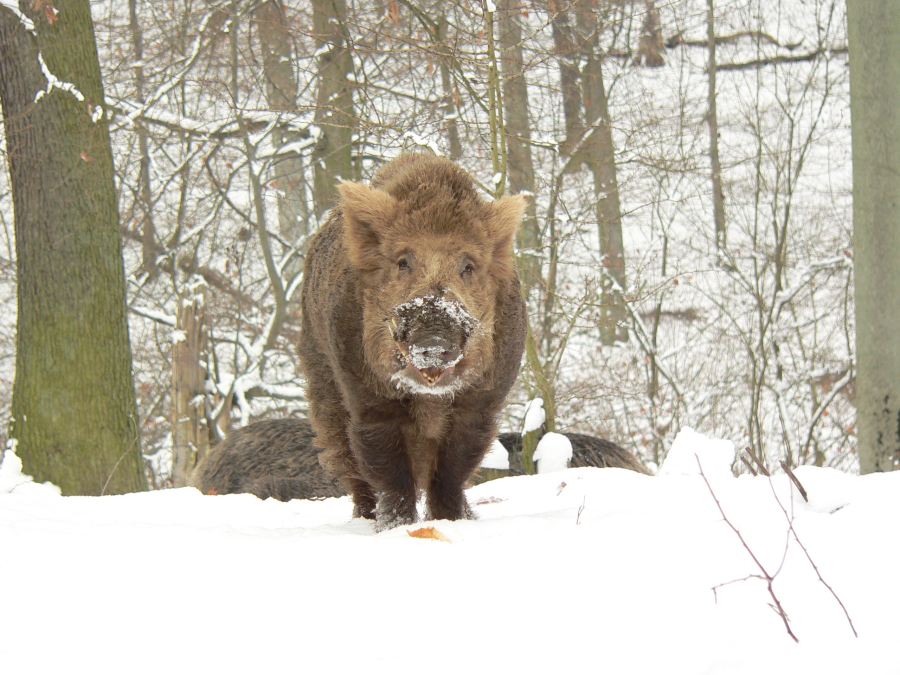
column 269, row 458
column 587, row 450
column 412, row 332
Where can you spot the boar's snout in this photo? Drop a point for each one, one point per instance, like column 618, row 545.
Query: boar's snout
column 432, row 354
column 433, row 331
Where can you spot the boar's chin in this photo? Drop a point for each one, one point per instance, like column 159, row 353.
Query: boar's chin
column 410, row 380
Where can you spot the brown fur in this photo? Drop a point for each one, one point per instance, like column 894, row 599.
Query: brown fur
column 420, row 231
column 270, row 458
column 586, row 451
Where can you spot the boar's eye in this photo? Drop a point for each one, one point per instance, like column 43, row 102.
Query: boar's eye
column 468, row 269
column 403, row 264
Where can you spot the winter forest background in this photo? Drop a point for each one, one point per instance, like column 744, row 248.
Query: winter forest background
column 688, row 256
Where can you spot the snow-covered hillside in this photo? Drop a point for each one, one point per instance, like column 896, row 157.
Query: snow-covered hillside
column 579, row 571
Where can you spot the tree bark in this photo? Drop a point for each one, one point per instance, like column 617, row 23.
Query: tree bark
column 874, row 101
column 569, row 74
column 332, row 157
column 651, row 45
column 712, row 121
column 451, row 113
column 288, row 174
column 520, row 166
column 145, row 194
column 190, row 432
column 73, row 408
column 599, row 154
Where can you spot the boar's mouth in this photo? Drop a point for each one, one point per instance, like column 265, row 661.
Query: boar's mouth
column 431, row 332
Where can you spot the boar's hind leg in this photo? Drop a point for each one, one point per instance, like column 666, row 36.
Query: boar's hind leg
column 460, row 454
column 379, row 451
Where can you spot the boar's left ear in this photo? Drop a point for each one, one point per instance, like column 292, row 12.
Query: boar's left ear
column 368, row 212
column 504, row 217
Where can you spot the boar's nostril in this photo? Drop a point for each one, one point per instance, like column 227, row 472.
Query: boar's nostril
column 434, row 351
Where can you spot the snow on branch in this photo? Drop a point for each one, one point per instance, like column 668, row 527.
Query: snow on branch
column 54, row 82
column 13, row 6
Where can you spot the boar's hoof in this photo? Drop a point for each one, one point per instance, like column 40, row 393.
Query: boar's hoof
column 441, row 511
column 393, row 511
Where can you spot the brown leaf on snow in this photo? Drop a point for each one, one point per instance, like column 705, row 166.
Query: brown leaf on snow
column 427, row 533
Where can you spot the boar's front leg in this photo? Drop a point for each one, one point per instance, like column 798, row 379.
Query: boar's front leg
column 471, row 432
column 379, row 449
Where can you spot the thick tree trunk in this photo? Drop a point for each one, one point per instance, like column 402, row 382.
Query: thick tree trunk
column 874, row 101
column 73, row 407
column 334, row 102
column 287, row 176
column 520, row 167
column 599, row 154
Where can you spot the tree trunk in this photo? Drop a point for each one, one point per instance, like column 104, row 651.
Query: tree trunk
column 520, row 167
column 712, row 121
column 287, row 176
column 651, row 45
column 190, row 432
column 73, row 407
column 334, row 103
column 600, row 157
column 451, row 113
column 874, row 101
column 569, row 74
column 149, row 246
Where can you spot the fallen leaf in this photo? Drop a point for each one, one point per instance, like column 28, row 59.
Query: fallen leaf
column 489, row 500
column 427, row 533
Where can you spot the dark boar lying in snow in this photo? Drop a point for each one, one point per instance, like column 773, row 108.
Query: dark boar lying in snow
column 586, row 451
column 413, row 329
column 278, row 459
column 270, row 458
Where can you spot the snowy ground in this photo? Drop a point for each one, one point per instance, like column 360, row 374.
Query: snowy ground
column 580, row 571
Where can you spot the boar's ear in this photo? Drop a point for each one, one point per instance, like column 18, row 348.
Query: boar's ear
column 504, row 217
column 367, row 214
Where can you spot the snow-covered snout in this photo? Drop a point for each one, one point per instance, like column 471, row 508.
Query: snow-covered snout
column 432, row 333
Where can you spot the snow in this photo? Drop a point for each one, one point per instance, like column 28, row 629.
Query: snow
column 12, row 480
column 534, row 416
column 582, row 571
column 406, row 383
column 553, row 452
column 691, row 450
column 497, row 457
column 54, row 82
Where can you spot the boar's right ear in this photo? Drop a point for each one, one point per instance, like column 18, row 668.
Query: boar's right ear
column 367, row 214
column 503, row 220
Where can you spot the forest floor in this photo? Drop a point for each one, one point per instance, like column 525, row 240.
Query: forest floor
column 579, row 571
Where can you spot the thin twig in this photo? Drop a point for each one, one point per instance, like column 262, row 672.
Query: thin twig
column 769, row 578
column 796, row 481
column 790, row 522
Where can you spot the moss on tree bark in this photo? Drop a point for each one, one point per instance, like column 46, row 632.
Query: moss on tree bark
column 73, row 408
